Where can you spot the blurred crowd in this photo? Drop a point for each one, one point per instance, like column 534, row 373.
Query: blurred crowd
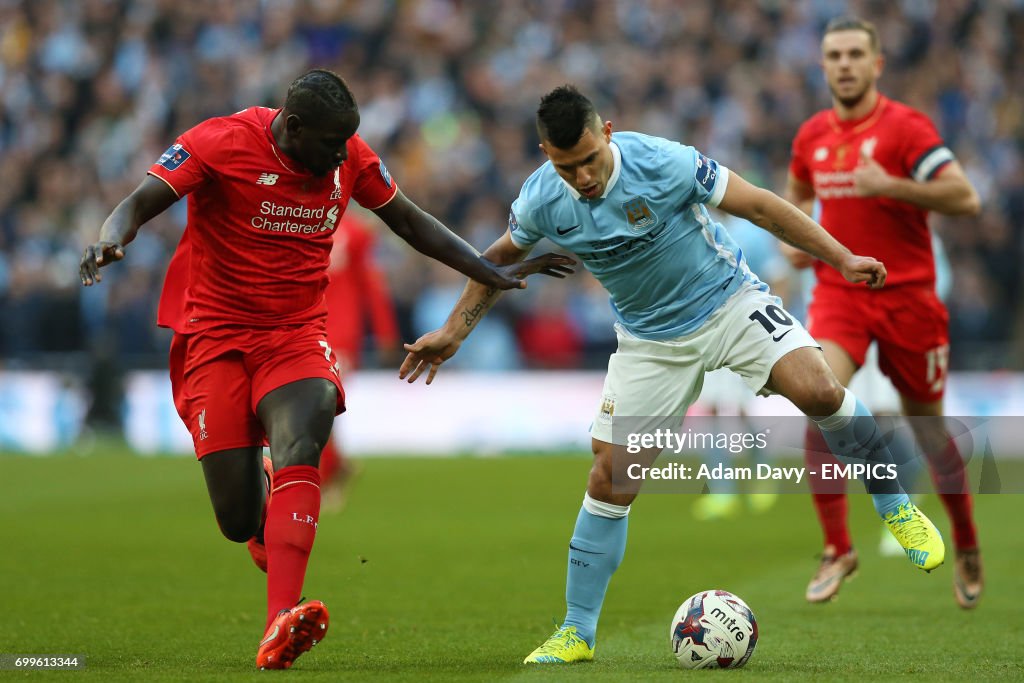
column 93, row 91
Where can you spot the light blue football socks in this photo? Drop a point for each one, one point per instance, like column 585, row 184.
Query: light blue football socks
column 595, row 551
column 853, row 436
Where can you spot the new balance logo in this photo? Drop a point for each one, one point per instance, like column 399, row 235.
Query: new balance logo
column 267, row 179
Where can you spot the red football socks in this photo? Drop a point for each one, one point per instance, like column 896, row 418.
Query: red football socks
column 831, row 508
column 292, row 518
column 950, row 479
column 829, row 496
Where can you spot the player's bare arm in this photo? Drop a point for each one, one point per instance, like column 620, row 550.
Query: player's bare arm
column 794, row 227
column 433, row 348
column 476, row 298
column 801, row 195
column 949, row 192
column 151, row 198
column 430, row 237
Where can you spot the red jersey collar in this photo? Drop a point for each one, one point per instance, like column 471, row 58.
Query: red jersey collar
column 840, row 125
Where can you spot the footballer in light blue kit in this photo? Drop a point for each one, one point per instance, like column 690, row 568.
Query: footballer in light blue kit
column 648, row 237
column 632, row 208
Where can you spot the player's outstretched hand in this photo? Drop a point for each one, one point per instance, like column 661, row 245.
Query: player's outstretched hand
column 864, row 269
column 428, row 352
column 513, row 276
column 95, row 257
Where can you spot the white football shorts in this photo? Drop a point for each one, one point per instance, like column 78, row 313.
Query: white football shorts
column 658, row 380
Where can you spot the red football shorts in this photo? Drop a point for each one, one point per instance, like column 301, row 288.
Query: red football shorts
column 909, row 323
column 219, row 376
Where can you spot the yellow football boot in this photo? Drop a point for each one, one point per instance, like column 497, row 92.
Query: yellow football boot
column 563, row 647
column 921, row 541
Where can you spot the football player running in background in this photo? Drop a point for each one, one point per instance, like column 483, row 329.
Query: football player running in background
column 632, row 207
column 877, row 167
column 359, row 305
column 244, row 294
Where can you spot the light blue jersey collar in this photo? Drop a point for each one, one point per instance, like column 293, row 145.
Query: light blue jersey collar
column 616, row 170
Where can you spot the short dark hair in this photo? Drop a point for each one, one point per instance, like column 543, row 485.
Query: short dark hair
column 563, row 115
column 856, row 24
column 320, row 95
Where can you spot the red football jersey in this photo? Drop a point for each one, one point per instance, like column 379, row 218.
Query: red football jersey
column 905, row 143
column 260, row 227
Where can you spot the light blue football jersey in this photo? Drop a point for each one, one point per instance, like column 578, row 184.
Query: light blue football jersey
column 648, row 239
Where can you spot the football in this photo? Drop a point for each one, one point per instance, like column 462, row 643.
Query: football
column 713, row 630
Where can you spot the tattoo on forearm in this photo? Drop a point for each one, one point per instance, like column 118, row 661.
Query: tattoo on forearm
column 471, row 315
column 780, row 232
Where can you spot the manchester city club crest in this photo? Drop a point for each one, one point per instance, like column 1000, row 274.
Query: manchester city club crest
column 639, row 214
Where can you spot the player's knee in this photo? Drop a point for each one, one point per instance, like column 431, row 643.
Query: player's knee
column 298, row 449
column 822, row 398
column 600, row 487
column 238, row 525
column 601, row 482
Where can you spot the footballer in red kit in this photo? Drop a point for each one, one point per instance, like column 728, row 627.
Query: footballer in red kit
column 263, row 208
column 359, row 306
column 906, row 318
column 877, row 167
column 828, row 150
column 250, row 362
column 260, row 210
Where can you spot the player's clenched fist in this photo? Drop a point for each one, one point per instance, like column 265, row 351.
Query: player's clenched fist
column 863, row 269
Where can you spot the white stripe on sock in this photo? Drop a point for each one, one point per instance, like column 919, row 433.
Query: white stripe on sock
column 600, row 508
column 843, row 416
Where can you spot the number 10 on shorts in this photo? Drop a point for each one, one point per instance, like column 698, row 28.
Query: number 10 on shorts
column 772, row 319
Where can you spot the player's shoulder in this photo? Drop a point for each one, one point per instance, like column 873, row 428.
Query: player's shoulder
column 362, row 159
column 653, row 160
column 253, row 118
column 904, row 113
column 357, row 144
column 646, row 150
column 543, row 188
column 640, row 143
column 223, row 133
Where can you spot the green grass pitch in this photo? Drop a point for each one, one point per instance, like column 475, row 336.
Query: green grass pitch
column 453, row 569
